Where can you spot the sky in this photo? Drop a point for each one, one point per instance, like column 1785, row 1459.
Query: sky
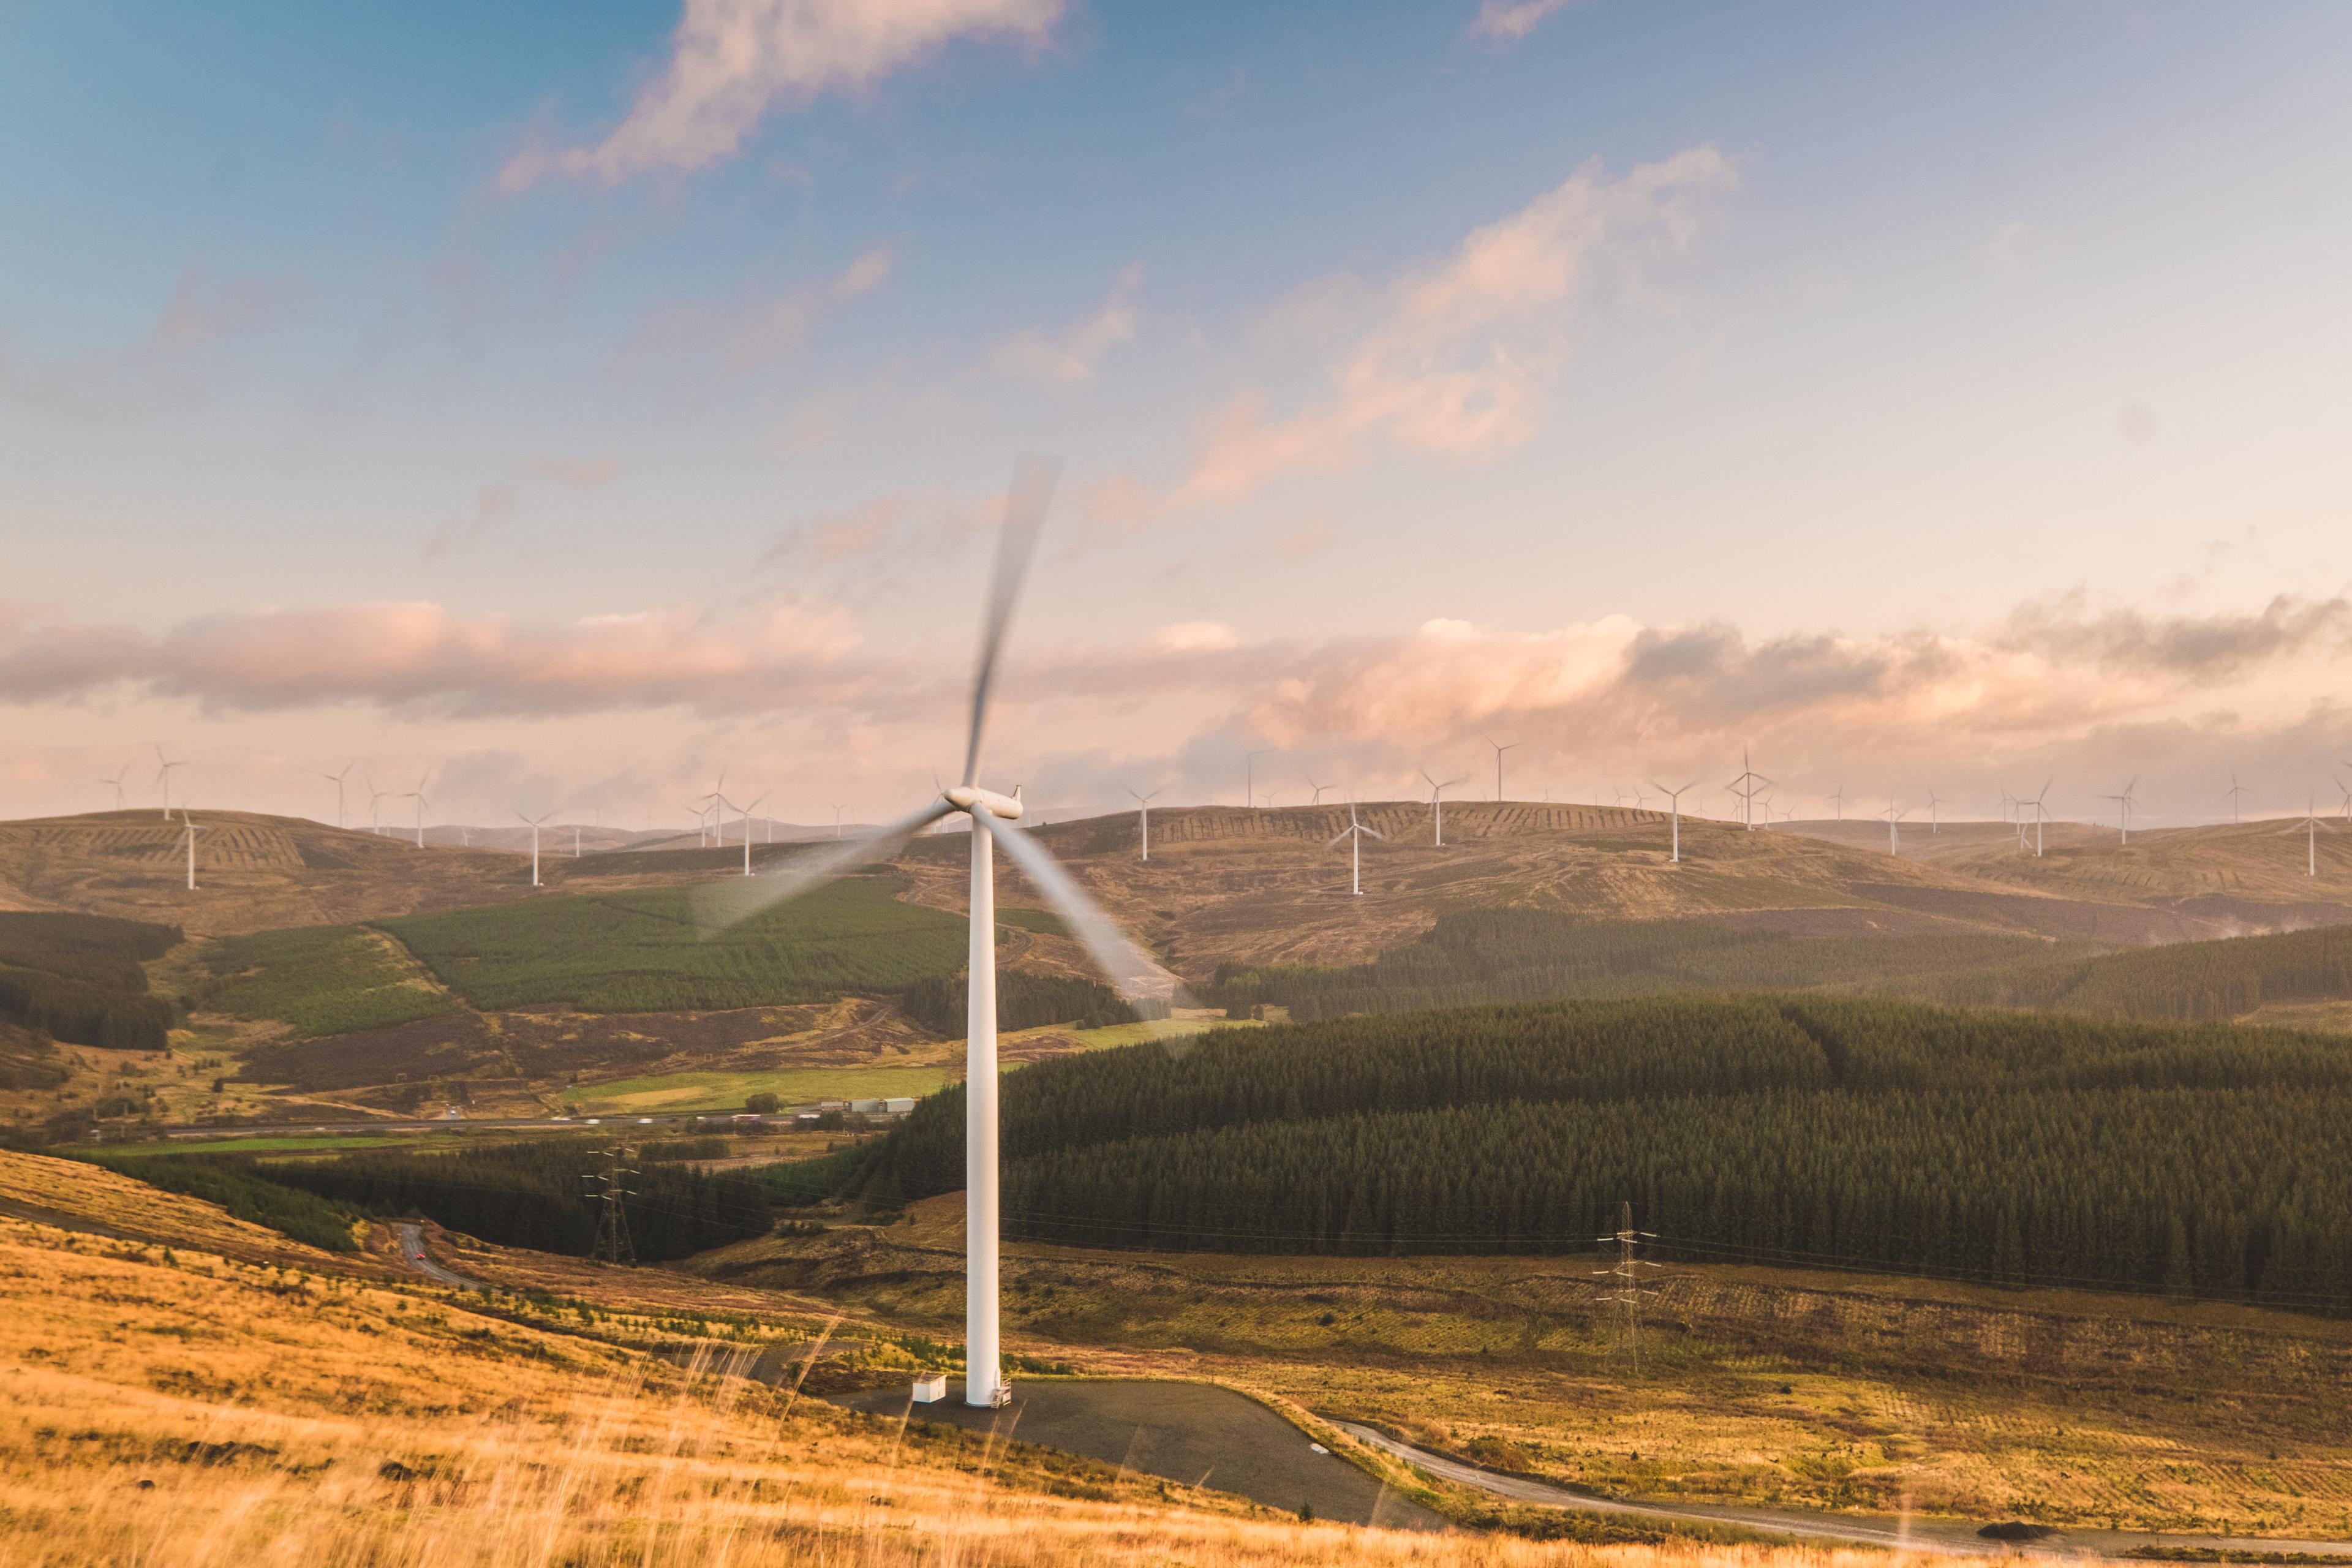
column 570, row 402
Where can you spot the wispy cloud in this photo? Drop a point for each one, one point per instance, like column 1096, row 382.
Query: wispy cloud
column 1456, row 357
column 204, row 320
column 734, row 61
column 1071, row 354
column 1511, row 20
column 764, row 328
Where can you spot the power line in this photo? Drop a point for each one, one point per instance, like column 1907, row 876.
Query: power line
column 610, row 1188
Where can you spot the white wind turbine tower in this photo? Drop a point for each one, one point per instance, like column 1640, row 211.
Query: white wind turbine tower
column 417, row 795
column 2311, row 836
column 534, row 822
column 993, row 818
column 2039, row 815
column 2123, row 810
column 1499, row 749
column 747, row 812
column 838, row 810
column 576, row 841
column 1745, row 787
column 163, row 777
column 116, row 782
column 2234, row 795
column 1675, row 801
column 1934, row 824
column 1894, row 837
column 1838, row 800
column 1249, row 777
column 2347, row 797
column 375, row 798
column 1143, row 804
column 337, row 780
column 192, row 847
column 1317, row 788
column 1355, row 830
column 1436, row 807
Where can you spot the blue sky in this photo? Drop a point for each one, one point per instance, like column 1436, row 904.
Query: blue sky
column 1955, row 387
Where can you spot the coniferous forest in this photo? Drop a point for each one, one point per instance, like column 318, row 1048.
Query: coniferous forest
column 2203, row 1160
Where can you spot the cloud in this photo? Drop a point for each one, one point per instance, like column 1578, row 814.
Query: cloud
column 838, row 536
column 1511, row 20
column 493, row 504
column 1455, row 358
column 764, row 329
column 204, row 322
column 1070, row 355
column 2131, row 641
column 734, row 61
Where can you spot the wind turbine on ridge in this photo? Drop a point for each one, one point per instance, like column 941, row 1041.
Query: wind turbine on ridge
column 1935, row 825
column 1317, row 788
column 746, row 811
column 1894, row 837
column 1355, row 830
column 417, row 795
column 2311, row 836
column 375, row 798
column 116, row 782
column 337, row 780
column 163, row 777
column 1499, row 749
column 2232, row 795
column 1838, row 800
column 534, row 822
column 1745, row 787
column 2123, row 809
column 993, row 819
column 2039, row 815
column 1437, row 808
column 1143, row 804
column 190, row 823
column 1674, row 799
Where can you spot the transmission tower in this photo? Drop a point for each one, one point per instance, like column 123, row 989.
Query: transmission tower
column 1626, row 1275
column 609, row 1189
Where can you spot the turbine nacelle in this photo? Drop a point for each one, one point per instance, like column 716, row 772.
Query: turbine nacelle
column 963, row 797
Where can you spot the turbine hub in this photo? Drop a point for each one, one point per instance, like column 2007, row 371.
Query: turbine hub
column 963, row 797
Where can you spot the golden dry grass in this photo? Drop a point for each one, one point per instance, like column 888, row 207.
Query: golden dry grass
column 187, row 1409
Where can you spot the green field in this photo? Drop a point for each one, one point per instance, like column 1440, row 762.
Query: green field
column 643, row 952
column 1044, row 922
column 671, row 1092
column 322, row 980
column 269, row 1144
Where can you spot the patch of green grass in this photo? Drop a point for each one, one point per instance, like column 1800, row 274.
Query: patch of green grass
column 1044, row 922
column 645, row 952
column 322, row 980
column 1154, row 1029
column 687, row 1091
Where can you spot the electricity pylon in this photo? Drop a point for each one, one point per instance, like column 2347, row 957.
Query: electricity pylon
column 610, row 1188
column 1626, row 1274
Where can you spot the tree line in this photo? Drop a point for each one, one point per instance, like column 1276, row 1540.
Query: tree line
column 1024, row 1001
column 76, row 978
column 2009, row 1148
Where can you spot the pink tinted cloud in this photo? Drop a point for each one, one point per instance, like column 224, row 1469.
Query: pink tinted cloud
column 1455, row 358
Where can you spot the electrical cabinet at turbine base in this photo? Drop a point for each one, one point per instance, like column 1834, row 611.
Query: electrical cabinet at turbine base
column 930, row 1390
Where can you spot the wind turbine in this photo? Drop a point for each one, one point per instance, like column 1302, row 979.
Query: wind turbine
column 2041, row 816
column 116, row 782
column 2008, row 806
column 1745, row 786
column 1317, row 788
column 747, row 812
column 1143, row 804
column 1249, row 777
column 838, row 810
column 1934, row 824
column 1839, row 801
column 1499, row 749
column 163, row 777
column 192, row 847
column 2123, row 809
column 1894, row 837
column 2348, row 797
column 576, row 841
column 1437, row 807
column 417, row 795
column 1674, row 800
column 1356, row 831
column 337, row 780
column 534, row 822
column 2233, row 794
column 2311, row 836
column 375, row 798
column 993, row 826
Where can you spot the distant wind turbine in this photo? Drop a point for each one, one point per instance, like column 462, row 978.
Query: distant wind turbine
column 417, row 795
column 1745, row 787
column 746, row 811
column 192, row 847
column 375, row 798
column 1317, row 788
column 337, row 780
column 1838, row 800
column 1894, row 837
column 576, row 841
column 1934, row 824
column 163, row 777
column 1249, row 777
column 2039, row 815
column 2311, row 836
column 1499, row 749
column 838, row 810
column 1674, row 800
column 534, row 822
column 1355, row 830
column 2348, row 797
column 2124, row 809
column 1437, row 807
column 1143, row 804
column 2232, row 795
column 116, row 782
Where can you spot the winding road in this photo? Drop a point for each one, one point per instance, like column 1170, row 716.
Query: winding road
column 413, row 1253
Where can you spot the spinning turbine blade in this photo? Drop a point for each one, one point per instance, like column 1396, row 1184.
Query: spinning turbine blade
column 718, row 905
column 1025, row 512
column 1132, row 972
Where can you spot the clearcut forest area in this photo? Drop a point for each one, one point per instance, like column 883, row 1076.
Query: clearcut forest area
column 2212, row 1160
